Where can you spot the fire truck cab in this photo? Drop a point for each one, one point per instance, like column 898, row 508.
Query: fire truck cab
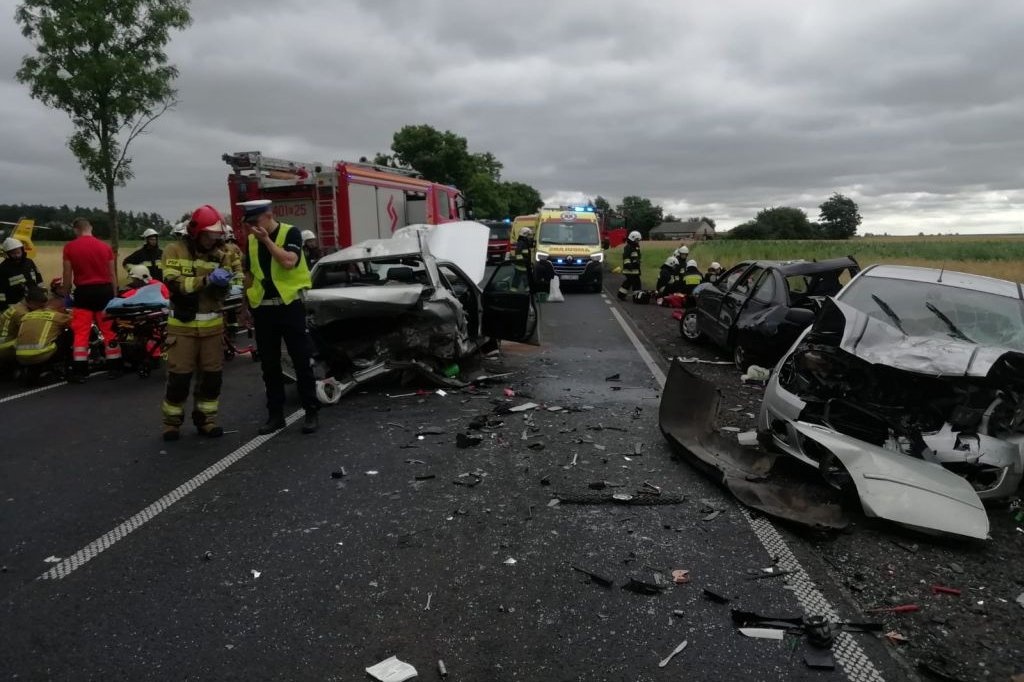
column 343, row 203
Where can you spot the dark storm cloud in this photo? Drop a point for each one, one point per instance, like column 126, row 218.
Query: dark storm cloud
column 910, row 107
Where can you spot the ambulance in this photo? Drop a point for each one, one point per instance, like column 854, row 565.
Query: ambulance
column 569, row 237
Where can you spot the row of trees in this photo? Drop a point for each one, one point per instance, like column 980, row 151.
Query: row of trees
column 839, row 218
column 57, row 220
column 444, row 157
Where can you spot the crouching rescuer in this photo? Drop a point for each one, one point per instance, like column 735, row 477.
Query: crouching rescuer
column 198, row 274
column 276, row 275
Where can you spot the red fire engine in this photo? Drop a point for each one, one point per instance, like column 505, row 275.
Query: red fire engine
column 344, row 203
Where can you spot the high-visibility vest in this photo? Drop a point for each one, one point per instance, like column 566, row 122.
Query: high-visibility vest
column 289, row 283
column 693, row 278
column 38, row 333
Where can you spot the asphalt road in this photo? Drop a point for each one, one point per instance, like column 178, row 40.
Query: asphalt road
column 267, row 567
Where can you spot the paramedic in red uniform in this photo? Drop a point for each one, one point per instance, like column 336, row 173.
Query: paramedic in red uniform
column 89, row 266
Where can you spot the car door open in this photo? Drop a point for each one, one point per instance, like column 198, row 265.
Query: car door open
column 509, row 312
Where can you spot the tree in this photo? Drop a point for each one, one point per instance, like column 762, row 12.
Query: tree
column 522, row 199
column 670, row 218
column 785, row 222
column 709, row 221
column 640, row 214
column 839, row 217
column 103, row 63
column 601, row 204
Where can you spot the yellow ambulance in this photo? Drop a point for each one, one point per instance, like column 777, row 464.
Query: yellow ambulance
column 570, row 238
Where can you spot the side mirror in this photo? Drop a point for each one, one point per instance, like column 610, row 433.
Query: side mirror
column 800, row 317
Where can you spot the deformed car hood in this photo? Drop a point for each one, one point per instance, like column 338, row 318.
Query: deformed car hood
column 880, row 343
column 328, row 305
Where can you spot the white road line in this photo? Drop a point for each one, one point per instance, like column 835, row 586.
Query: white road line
column 108, row 540
column 26, row 394
column 847, row 651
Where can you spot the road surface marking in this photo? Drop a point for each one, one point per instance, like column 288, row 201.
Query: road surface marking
column 847, row 651
column 108, row 540
column 32, row 392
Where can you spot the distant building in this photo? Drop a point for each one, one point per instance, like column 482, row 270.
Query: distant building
column 697, row 230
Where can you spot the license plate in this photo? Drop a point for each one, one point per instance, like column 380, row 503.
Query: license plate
column 569, row 278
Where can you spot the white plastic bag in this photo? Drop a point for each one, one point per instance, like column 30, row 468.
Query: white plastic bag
column 555, row 292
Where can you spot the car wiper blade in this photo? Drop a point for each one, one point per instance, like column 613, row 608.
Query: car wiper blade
column 953, row 329
column 889, row 312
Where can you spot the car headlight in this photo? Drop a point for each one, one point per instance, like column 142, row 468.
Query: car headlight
column 597, row 257
column 541, row 255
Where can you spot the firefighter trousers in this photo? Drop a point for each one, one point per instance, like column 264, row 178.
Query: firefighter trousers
column 187, row 355
column 631, row 283
column 274, row 324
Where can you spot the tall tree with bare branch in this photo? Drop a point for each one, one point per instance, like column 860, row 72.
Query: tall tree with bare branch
column 103, row 62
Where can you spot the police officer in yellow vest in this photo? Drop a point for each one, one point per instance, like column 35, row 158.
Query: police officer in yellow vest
column 276, row 275
column 198, row 273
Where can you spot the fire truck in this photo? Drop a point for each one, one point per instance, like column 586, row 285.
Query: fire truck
column 343, row 203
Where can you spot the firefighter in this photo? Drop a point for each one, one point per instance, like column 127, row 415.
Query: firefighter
column 138, row 277
column 691, row 276
column 631, row 265
column 667, row 282
column 10, row 323
column 310, row 248
column 42, row 336
column 198, row 274
column 714, row 272
column 89, row 268
column 682, row 253
column 276, row 275
column 522, row 258
column 149, row 255
column 18, row 272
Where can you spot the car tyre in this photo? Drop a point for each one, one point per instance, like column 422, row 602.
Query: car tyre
column 689, row 327
column 597, row 286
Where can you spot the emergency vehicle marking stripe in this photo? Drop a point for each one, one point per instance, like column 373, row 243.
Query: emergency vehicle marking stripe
column 848, row 653
column 108, row 540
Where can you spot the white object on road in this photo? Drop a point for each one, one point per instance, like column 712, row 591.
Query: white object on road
column 53, row 560
column 392, row 670
column 524, row 407
column 256, row 574
column 555, row 291
column 747, row 438
column 756, row 373
column 510, row 561
column 763, row 633
column 675, row 651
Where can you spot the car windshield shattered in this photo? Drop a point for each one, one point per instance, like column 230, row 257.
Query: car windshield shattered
column 923, row 309
column 569, row 233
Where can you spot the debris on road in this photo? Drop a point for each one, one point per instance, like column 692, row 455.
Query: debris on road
column 430, row 431
column 392, row 670
column 756, row 373
column 468, row 440
column 716, row 597
column 700, row 361
column 904, row 608
column 614, row 377
column 680, row 576
column 763, row 633
column 430, row 595
column 510, row 562
column 895, row 637
column 601, row 580
column 747, row 438
column 425, row 477
column 525, row 407
column 372, row 472
column 53, row 560
column 643, row 586
column 942, row 589
column 665, row 661
column 255, row 574
column 340, row 473
column 442, row 670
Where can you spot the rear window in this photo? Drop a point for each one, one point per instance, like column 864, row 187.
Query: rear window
column 501, row 232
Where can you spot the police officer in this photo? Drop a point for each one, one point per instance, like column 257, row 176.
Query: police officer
column 522, row 258
column 631, row 265
column 18, row 272
column 276, row 275
column 149, row 254
column 667, row 277
column 198, row 274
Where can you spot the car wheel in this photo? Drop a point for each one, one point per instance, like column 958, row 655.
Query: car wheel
column 597, row 286
column 741, row 357
column 689, row 327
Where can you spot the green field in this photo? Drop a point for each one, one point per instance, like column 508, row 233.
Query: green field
column 994, row 256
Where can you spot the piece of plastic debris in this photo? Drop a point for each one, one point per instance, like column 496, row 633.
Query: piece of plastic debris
column 554, row 502
column 53, row 559
column 430, row 595
column 747, row 438
column 442, row 670
column 509, row 393
column 452, row 371
column 510, row 561
column 622, row 497
column 763, row 633
column 425, row 477
column 956, row 568
column 430, row 431
column 642, row 586
column 468, row 440
column 675, row 651
column 731, row 429
column 942, row 589
column 638, row 449
column 255, row 573
column 679, row 613
column 601, row 580
column 819, row 659
column 340, row 473
column 614, row 377
column 903, row 608
column 895, row 637
column 699, row 361
column 525, row 407
column 536, row 446
column 680, row 576
column 392, row 670
column 716, row 597
column 443, row 394
column 372, row 473
column 207, row 555
column 713, row 515
column 756, row 373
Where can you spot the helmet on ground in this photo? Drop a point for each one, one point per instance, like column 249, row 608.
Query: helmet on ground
column 682, row 251
column 691, row 263
column 526, row 232
column 307, row 235
column 150, row 233
column 634, row 236
column 672, row 262
column 205, row 219
column 715, row 266
column 139, row 272
column 10, row 244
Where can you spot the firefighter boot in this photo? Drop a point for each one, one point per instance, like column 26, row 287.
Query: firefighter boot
column 204, row 416
column 171, row 433
column 173, row 406
column 206, row 426
column 275, row 422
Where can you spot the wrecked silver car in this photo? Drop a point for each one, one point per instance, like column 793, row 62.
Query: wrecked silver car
column 413, row 302
column 909, row 389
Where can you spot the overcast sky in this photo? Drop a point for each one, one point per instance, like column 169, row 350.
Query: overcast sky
column 915, row 108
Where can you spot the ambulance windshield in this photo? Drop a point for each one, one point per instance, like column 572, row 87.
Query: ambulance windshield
column 581, row 233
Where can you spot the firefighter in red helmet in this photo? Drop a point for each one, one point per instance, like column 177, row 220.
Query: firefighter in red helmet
column 198, row 272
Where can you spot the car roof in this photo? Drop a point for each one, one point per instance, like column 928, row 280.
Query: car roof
column 943, row 277
column 806, row 267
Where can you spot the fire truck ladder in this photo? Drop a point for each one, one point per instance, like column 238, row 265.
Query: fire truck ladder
column 326, row 197
column 269, row 168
